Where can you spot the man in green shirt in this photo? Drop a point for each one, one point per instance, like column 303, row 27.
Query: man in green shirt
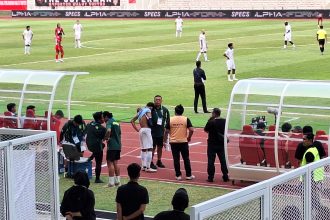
column 160, row 117
column 114, row 148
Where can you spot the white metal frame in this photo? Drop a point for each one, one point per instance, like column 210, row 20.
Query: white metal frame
column 26, row 77
column 258, row 173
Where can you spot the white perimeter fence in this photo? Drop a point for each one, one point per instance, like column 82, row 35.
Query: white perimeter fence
column 290, row 196
column 28, row 175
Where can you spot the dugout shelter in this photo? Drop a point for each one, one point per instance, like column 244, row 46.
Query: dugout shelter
column 40, row 86
column 256, row 156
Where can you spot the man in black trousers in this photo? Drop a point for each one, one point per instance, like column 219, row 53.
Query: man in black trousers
column 199, row 78
column 215, row 127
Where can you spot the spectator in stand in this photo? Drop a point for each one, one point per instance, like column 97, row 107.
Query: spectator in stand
column 132, row 198
column 304, row 146
column 179, row 137
column 94, row 140
column 180, row 202
column 55, row 123
column 30, row 122
column 114, row 148
column 286, row 127
column 297, row 129
column 29, row 107
column 11, row 112
column 78, row 201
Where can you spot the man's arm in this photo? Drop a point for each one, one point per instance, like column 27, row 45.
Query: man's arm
column 191, row 131
column 326, row 38
column 133, row 123
column 31, row 35
column 107, row 134
column 225, row 55
column 136, row 213
column 167, row 131
column 207, row 126
column 119, row 212
column 23, row 36
column 317, row 36
column 149, row 119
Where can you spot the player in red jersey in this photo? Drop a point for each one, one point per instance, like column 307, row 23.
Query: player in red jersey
column 59, row 48
column 319, row 19
column 59, row 30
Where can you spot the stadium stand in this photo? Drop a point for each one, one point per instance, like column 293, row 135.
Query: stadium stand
column 292, row 146
column 321, row 136
column 241, row 4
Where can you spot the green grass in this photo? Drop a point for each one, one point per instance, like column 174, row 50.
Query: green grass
column 160, row 194
column 133, row 60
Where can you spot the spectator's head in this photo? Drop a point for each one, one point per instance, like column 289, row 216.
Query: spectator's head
column 150, row 105
column 261, row 125
column 297, row 129
column 59, row 114
column 30, row 113
column 198, row 63
column 307, row 129
column 78, row 120
column 231, row 45
column 286, row 127
column 180, row 200
column 158, row 100
column 32, row 107
column 98, row 117
column 216, row 112
column 11, row 107
column 291, row 212
column 107, row 115
column 81, row 179
column 133, row 171
column 179, row 109
column 308, row 139
column 309, row 157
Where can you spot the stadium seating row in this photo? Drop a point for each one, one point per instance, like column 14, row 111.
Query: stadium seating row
column 260, row 151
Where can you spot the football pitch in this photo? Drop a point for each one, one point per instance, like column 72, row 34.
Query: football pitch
column 130, row 61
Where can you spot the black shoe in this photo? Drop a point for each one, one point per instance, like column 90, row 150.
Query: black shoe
column 207, row 112
column 160, row 164
column 196, row 112
column 98, row 181
column 225, row 178
column 152, row 166
column 209, row 180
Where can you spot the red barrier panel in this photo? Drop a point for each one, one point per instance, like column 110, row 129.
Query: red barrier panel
column 8, row 5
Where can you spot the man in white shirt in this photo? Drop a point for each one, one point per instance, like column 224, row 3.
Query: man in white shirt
column 287, row 35
column 229, row 54
column 27, row 37
column 179, row 24
column 77, row 27
column 203, row 46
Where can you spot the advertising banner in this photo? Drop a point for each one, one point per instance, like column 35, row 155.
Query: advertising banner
column 80, row 3
column 239, row 14
column 8, row 5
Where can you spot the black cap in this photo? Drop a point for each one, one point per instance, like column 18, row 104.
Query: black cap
column 180, row 199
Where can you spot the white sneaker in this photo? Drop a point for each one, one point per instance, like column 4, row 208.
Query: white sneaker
column 150, row 170
column 234, row 79
column 61, row 60
column 207, row 60
column 284, row 47
column 293, row 45
column 144, row 168
column 57, row 61
column 190, row 177
column 109, row 185
column 178, row 178
column 229, row 79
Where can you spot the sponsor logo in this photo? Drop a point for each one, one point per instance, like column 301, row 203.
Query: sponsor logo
column 152, row 14
column 240, row 14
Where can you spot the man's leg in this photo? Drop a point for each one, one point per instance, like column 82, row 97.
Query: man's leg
column 111, row 170
column 234, row 72
column 210, row 164
column 185, row 156
column 98, row 164
column 148, row 160
column 285, row 44
column 143, row 159
column 228, row 74
column 176, row 160
column 224, row 169
column 117, row 172
column 154, row 145
column 203, row 97
column 198, row 56
column 205, row 56
column 196, row 88
column 159, row 155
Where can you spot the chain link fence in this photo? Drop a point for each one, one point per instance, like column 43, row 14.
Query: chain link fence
column 28, row 175
column 296, row 195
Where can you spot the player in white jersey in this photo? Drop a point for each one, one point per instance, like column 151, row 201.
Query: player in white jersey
column 287, row 35
column 179, row 24
column 77, row 27
column 203, row 46
column 229, row 54
column 27, row 37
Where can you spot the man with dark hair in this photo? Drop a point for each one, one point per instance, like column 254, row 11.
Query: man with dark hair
column 132, row 198
column 229, row 54
column 286, row 127
column 11, row 121
column 215, row 127
column 180, row 202
column 29, row 108
column 199, row 87
column 160, row 117
column 288, row 35
column 145, row 120
column 321, row 37
column 179, row 137
column 304, row 146
column 11, row 107
column 94, row 140
column 78, row 201
column 114, row 148
column 27, row 38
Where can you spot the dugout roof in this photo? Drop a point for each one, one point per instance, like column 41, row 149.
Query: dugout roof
column 47, row 82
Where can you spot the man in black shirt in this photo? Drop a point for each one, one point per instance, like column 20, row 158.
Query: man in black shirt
column 94, row 140
column 199, row 78
column 215, row 127
column 132, row 198
column 302, row 148
column 180, row 202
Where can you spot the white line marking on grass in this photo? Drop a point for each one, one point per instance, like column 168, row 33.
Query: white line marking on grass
column 116, row 106
column 95, row 48
column 75, row 104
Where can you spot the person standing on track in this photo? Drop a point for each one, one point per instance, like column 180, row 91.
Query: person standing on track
column 145, row 120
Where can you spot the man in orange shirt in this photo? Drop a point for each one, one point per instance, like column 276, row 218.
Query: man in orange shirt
column 180, row 130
